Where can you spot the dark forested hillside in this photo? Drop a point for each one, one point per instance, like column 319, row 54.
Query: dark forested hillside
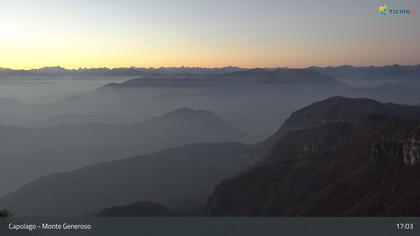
column 363, row 168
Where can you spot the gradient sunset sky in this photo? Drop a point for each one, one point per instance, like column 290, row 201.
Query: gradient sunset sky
column 258, row 33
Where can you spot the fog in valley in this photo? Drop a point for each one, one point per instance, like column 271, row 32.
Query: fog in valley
column 140, row 108
column 58, row 123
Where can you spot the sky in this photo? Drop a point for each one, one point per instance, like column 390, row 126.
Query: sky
column 216, row 33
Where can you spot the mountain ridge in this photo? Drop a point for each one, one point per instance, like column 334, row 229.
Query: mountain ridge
column 132, row 179
column 57, row 70
column 338, row 108
column 339, row 169
column 66, row 147
column 251, row 154
column 253, row 76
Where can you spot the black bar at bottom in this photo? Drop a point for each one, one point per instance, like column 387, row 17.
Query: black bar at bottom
column 203, row 226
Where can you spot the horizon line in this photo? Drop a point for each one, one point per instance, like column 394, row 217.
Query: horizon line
column 197, row 67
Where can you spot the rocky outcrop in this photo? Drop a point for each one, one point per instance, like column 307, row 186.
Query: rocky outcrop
column 407, row 146
column 411, row 148
column 364, row 168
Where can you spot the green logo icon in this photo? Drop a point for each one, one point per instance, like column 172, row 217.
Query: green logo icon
column 383, row 9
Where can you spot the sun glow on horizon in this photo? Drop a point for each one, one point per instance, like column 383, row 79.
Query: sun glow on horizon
column 249, row 34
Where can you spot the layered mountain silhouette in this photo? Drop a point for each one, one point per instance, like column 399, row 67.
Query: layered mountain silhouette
column 358, row 147
column 282, row 74
column 387, row 72
column 66, row 147
column 181, row 177
column 369, row 73
column 396, row 92
column 74, row 119
column 341, row 109
column 58, row 71
column 243, row 77
column 356, row 157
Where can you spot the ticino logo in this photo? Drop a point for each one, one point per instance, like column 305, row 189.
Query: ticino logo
column 385, row 10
